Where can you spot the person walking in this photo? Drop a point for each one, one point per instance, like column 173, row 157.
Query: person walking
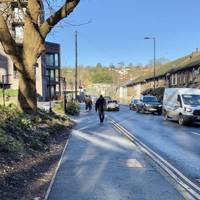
column 100, row 106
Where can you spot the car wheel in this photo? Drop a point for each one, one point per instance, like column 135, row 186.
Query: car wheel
column 165, row 116
column 137, row 110
column 142, row 111
column 181, row 121
column 159, row 112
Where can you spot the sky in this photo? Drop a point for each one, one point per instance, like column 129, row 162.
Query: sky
column 116, row 30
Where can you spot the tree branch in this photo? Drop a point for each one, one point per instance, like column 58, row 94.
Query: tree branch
column 63, row 12
column 8, row 43
column 35, row 10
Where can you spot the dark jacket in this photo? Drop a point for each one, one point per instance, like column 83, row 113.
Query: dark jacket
column 100, row 104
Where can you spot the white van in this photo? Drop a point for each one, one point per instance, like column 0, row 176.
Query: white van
column 182, row 104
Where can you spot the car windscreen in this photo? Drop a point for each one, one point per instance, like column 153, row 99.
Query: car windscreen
column 112, row 101
column 150, row 99
column 107, row 98
column 191, row 99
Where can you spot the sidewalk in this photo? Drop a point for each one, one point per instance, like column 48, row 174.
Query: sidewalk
column 100, row 164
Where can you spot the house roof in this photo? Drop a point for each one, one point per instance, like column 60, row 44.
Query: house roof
column 171, row 67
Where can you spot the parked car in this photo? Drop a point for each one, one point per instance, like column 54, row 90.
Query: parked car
column 112, row 105
column 182, row 104
column 133, row 104
column 107, row 98
column 149, row 104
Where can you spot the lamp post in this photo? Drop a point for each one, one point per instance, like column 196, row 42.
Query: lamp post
column 76, row 65
column 154, row 59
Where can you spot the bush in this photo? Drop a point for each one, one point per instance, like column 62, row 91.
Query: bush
column 9, row 144
column 72, row 108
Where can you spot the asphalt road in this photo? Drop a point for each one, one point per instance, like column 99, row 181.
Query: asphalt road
column 101, row 164
column 179, row 145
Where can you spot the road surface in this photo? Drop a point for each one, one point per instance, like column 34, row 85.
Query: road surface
column 179, row 145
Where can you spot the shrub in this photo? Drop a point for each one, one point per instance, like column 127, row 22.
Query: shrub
column 9, row 144
column 73, row 108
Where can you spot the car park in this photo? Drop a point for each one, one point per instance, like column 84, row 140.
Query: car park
column 182, row 105
column 133, row 104
column 149, row 104
column 112, row 105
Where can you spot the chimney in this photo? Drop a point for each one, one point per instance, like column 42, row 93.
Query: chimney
column 195, row 53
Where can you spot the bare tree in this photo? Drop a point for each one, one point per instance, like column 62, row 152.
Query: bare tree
column 25, row 55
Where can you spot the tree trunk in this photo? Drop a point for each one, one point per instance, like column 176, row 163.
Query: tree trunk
column 27, row 96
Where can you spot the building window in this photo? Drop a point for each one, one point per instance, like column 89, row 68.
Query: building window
column 57, row 75
column 19, row 32
column 18, row 14
column 57, row 88
column 52, row 74
column 175, row 79
column 52, row 91
column 49, row 59
column 56, row 59
column 183, row 78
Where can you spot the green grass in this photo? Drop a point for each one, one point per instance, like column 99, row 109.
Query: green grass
column 9, row 92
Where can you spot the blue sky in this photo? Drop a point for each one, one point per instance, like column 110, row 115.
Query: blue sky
column 117, row 30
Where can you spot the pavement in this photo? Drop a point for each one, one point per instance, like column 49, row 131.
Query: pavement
column 101, row 164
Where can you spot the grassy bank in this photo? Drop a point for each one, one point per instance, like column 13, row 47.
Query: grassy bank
column 30, row 148
column 20, row 132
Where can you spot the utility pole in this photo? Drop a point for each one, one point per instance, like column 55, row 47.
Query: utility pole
column 76, row 65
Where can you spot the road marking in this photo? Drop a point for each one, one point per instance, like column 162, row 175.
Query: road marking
column 182, row 180
column 195, row 133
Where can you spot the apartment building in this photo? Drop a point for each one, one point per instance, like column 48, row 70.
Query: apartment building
column 48, row 65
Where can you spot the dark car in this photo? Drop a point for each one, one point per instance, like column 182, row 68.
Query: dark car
column 133, row 104
column 149, row 104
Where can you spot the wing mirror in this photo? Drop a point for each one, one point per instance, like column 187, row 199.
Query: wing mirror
column 177, row 105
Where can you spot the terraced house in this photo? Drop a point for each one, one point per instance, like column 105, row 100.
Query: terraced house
column 183, row 72
column 48, row 65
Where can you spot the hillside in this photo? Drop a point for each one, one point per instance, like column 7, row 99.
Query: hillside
column 117, row 76
column 92, row 75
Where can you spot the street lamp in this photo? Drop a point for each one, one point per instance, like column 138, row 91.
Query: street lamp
column 154, row 59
